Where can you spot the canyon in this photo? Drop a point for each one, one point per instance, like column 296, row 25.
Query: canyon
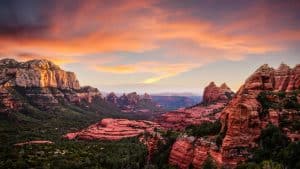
column 39, row 92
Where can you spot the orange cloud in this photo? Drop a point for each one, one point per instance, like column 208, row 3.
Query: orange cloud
column 142, row 26
column 158, row 69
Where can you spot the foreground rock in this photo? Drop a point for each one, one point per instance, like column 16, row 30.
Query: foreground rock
column 213, row 93
column 191, row 151
column 243, row 116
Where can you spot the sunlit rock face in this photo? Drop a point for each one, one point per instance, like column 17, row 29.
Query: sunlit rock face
column 241, row 117
column 37, row 73
column 43, row 83
column 213, row 93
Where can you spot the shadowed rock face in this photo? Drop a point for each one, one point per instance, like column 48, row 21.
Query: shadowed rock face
column 241, row 116
column 190, row 151
column 213, row 93
column 42, row 82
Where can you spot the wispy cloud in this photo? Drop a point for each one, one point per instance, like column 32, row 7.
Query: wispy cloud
column 186, row 37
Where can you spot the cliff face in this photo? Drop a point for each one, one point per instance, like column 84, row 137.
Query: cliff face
column 190, row 151
column 42, row 84
column 213, row 93
column 37, row 73
column 243, row 116
column 267, row 96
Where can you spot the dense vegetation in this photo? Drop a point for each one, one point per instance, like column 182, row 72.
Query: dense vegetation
column 36, row 123
column 204, row 129
column 128, row 153
column 161, row 156
column 275, row 151
column 278, row 100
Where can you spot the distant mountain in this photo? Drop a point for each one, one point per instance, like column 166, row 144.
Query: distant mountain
column 176, row 102
column 187, row 94
column 138, row 105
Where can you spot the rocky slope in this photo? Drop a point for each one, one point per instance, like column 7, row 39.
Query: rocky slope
column 213, row 93
column 209, row 110
column 246, row 115
column 43, row 85
column 268, row 96
column 182, row 118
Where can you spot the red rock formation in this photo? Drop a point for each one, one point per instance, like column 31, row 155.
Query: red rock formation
column 44, row 83
column 241, row 120
column 114, row 129
column 182, row 118
column 37, row 73
column 117, row 129
column 241, row 116
column 189, row 151
column 213, row 93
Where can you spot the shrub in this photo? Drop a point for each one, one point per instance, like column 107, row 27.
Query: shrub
column 204, row 129
column 209, row 164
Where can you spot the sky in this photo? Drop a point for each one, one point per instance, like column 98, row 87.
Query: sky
column 153, row 46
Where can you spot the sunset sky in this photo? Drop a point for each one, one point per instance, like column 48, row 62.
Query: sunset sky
column 153, row 45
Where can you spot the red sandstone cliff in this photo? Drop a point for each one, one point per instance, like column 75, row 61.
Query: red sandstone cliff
column 43, row 82
column 241, row 117
column 242, row 121
column 213, row 93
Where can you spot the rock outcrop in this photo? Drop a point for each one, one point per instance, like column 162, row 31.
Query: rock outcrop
column 37, row 73
column 43, row 83
column 192, row 152
column 117, row 129
column 213, row 93
column 182, row 118
column 242, row 117
column 114, row 129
